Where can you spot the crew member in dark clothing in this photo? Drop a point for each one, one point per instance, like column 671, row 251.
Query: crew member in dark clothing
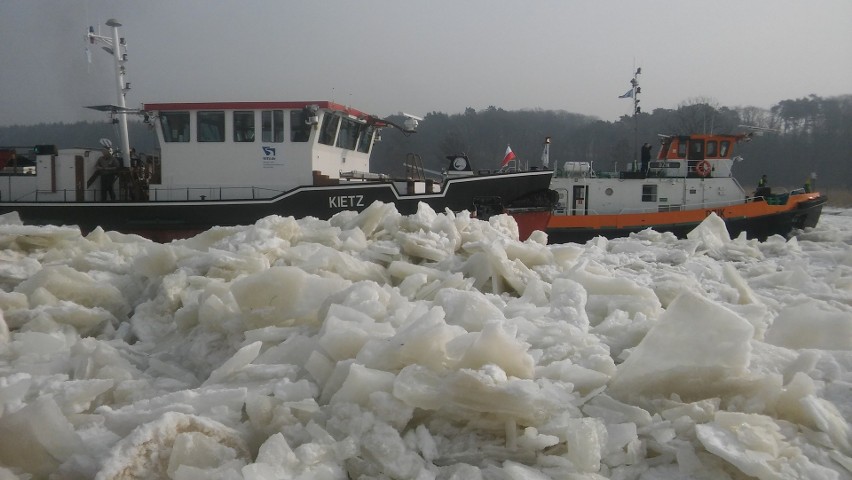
column 107, row 166
column 646, row 157
column 762, row 187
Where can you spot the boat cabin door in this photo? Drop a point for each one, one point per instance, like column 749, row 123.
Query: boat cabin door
column 579, row 205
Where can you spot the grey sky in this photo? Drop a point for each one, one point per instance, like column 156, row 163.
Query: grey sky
column 387, row 56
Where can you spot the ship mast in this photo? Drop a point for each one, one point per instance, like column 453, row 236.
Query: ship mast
column 118, row 49
column 636, row 111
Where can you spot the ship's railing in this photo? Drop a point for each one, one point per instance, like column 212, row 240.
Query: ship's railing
column 658, row 208
column 193, row 194
column 189, row 194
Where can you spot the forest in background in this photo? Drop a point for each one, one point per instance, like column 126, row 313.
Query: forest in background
column 811, row 134
column 801, row 136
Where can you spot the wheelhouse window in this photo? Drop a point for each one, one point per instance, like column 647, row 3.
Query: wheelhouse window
column 696, row 150
column 724, row 147
column 211, row 126
column 244, row 126
column 300, row 129
column 329, row 129
column 366, row 139
column 711, row 149
column 175, row 126
column 272, row 125
column 681, row 149
column 348, row 136
column 649, row 193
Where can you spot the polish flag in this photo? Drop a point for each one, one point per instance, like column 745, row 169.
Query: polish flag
column 510, row 155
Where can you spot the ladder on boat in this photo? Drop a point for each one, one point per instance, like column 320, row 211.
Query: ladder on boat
column 414, row 167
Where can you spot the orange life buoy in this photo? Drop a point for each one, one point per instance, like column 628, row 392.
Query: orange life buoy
column 703, row 168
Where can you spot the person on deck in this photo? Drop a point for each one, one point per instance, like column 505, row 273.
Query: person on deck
column 107, row 165
column 646, row 157
column 762, row 187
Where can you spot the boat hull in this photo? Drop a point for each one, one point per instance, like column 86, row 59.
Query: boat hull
column 758, row 219
column 163, row 221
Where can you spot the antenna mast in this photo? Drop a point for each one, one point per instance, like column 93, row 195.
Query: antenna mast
column 116, row 47
column 636, row 111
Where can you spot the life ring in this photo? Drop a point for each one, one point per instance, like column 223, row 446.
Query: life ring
column 703, row 168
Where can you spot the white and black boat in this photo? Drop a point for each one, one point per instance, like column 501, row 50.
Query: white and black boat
column 232, row 163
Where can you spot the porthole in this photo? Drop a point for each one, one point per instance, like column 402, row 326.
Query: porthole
column 608, row 191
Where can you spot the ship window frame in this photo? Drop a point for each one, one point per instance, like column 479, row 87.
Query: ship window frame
column 724, row 148
column 244, row 126
column 347, row 134
column 328, row 131
column 649, row 192
column 210, row 126
column 681, row 149
column 175, row 132
column 696, row 150
column 365, row 138
column 300, row 129
column 710, row 149
column 272, row 126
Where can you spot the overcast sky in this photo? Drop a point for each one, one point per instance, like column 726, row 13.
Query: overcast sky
column 387, row 56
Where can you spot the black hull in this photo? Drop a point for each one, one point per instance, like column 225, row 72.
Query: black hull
column 806, row 214
column 166, row 220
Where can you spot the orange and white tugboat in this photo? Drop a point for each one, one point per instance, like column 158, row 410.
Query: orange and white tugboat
column 690, row 178
column 232, row 163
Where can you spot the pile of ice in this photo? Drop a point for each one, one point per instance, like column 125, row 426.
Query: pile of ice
column 377, row 345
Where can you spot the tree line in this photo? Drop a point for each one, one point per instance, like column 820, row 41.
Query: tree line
column 794, row 139
column 799, row 136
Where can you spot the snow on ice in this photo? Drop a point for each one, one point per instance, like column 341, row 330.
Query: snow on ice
column 429, row 346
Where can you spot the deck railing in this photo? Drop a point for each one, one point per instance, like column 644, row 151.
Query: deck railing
column 185, row 194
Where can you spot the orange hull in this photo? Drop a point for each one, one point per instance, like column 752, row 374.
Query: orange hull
column 758, row 219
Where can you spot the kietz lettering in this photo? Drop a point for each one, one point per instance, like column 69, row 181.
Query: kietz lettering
column 346, row 201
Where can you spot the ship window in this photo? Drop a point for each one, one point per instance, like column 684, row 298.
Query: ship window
column 724, row 146
column 366, row 140
column 696, row 150
column 272, row 126
column 243, row 126
column 649, row 193
column 681, row 149
column 329, row 129
column 175, row 126
column 300, row 129
column 348, row 136
column 711, row 149
column 211, row 126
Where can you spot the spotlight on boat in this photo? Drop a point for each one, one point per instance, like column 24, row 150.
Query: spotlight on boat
column 311, row 115
column 411, row 122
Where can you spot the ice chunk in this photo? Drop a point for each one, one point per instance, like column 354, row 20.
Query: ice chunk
column 568, row 302
column 755, row 445
column 38, row 437
column 282, row 295
column 586, row 439
column 697, row 348
column 240, row 359
column 196, row 449
column 495, row 346
column 711, row 232
column 65, row 283
column 468, row 309
column 147, row 451
column 811, row 324
column 360, row 383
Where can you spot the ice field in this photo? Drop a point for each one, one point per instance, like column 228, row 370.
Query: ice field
column 430, row 346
